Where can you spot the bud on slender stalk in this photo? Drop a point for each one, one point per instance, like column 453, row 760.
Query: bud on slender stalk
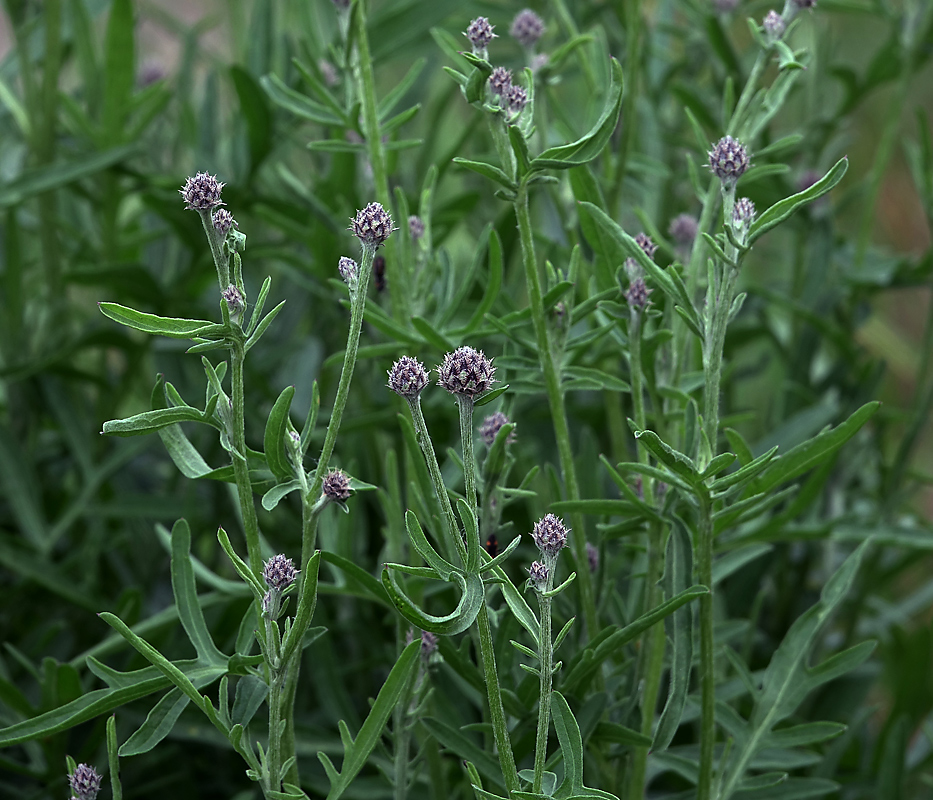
column 527, row 28
column 233, row 297
column 728, row 160
column 202, row 192
column 550, row 536
column 683, row 229
column 415, row 227
column 408, row 377
column 85, row 782
column 773, row 25
column 372, row 226
column 480, row 33
column 466, row 371
column 491, row 427
column 349, row 270
column 223, row 221
column 538, row 574
column 500, row 81
column 516, row 99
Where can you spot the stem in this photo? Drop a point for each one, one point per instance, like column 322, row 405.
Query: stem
column 555, row 397
column 545, row 666
column 275, row 739
column 465, row 404
column 216, row 242
column 707, row 675
column 244, row 486
column 633, row 40
column 500, row 730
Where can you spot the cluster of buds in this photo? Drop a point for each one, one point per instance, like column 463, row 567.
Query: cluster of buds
column 550, row 537
column 279, row 573
column 85, row 782
column 491, row 426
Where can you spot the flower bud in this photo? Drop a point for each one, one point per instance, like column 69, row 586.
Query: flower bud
column 480, row 35
column 516, row 99
column 491, row 427
column 279, row 572
column 637, row 294
column 683, row 229
column 408, row 377
column 774, row 26
column 728, row 160
column 538, row 574
column 743, row 212
column 643, row 240
column 235, row 302
column 202, row 192
column 336, row 485
column 428, row 644
column 349, row 270
column 466, row 371
column 372, row 225
column 223, row 221
column 550, row 536
column 500, row 81
column 85, row 782
column 415, row 227
column 527, row 28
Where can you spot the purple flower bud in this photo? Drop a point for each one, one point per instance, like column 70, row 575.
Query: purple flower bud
column 527, row 28
column 349, row 270
column 150, row 73
column 491, row 427
column 550, row 535
column 774, row 26
column 728, row 160
column 466, row 371
column 328, row 72
column 85, row 782
column 743, row 212
column 480, row 35
column 223, row 221
column 234, row 300
column 637, row 294
column 683, row 229
column 500, row 81
column 372, row 225
column 415, row 227
column 516, row 99
column 202, row 192
column 639, row 487
column 408, row 377
column 538, row 574
column 428, row 644
column 643, row 240
column 592, row 556
column 279, row 572
column 337, row 485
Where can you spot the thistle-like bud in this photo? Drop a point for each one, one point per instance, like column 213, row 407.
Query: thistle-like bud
column 428, row 644
column 480, row 35
column 408, row 377
column 372, row 225
column 223, row 221
column 235, row 302
column 683, row 229
column 527, row 28
column 643, row 240
column 728, row 160
column 516, row 99
column 774, row 25
column 491, row 427
column 279, row 572
column 538, row 574
column 85, row 782
column 550, row 536
column 202, row 192
column 415, row 227
column 500, row 81
column 743, row 212
column 336, row 485
column 592, row 556
column 637, row 294
column 466, row 371
column 349, row 270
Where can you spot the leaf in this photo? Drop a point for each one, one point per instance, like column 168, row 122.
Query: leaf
column 307, row 600
column 805, row 734
column 263, row 325
column 251, row 692
column 159, row 723
column 674, row 460
column 464, row 747
column 150, row 323
column 457, row 621
column 783, row 209
column 490, row 395
column 356, row 755
column 274, row 496
column 273, row 442
column 806, row 455
column 359, row 575
column 571, row 748
column 119, row 69
column 594, row 142
column 255, row 111
column 150, row 421
column 298, row 104
column 488, row 171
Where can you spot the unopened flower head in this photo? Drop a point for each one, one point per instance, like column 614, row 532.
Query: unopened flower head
column 538, row 573
column 491, row 426
column 349, row 270
column 415, row 227
column 527, row 28
column 466, row 371
column 550, row 535
column 279, row 572
column 408, row 377
column 480, row 35
column 637, row 293
column 336, row 485
column 500, row 81
column 643, row 240
column 683, row 229
column 516, row 99
column 223, row 221
column 85, row 782
column 234, row 300
column 428, row 644
column 372, row 225
column 743, row 212
column 728, row 160
column 774, row 25
column 202, row 192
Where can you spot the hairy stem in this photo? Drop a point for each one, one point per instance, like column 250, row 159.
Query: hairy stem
column 546, row 668
column 707, row 674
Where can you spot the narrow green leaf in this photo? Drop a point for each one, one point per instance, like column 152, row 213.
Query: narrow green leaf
column 262, row 326
column 150, row 323
column 298, row 104
column 488, row 171
column 457, row 621
column 159, row 723
column 273, row 442
column 307, row 600
column 251, row 692
column 255, row 111
column 119, row 68
column 275, row 495
column 150, row 421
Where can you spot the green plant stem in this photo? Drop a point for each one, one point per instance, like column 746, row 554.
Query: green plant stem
column 748, row 92
column 465, row 405
column 707, row 666
column 244, row 486
column 500, row 729
column 357, row 306
column 216, row 242
column 546, row 669
column 274, row 756
column 550, row 368
column 366, row 87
